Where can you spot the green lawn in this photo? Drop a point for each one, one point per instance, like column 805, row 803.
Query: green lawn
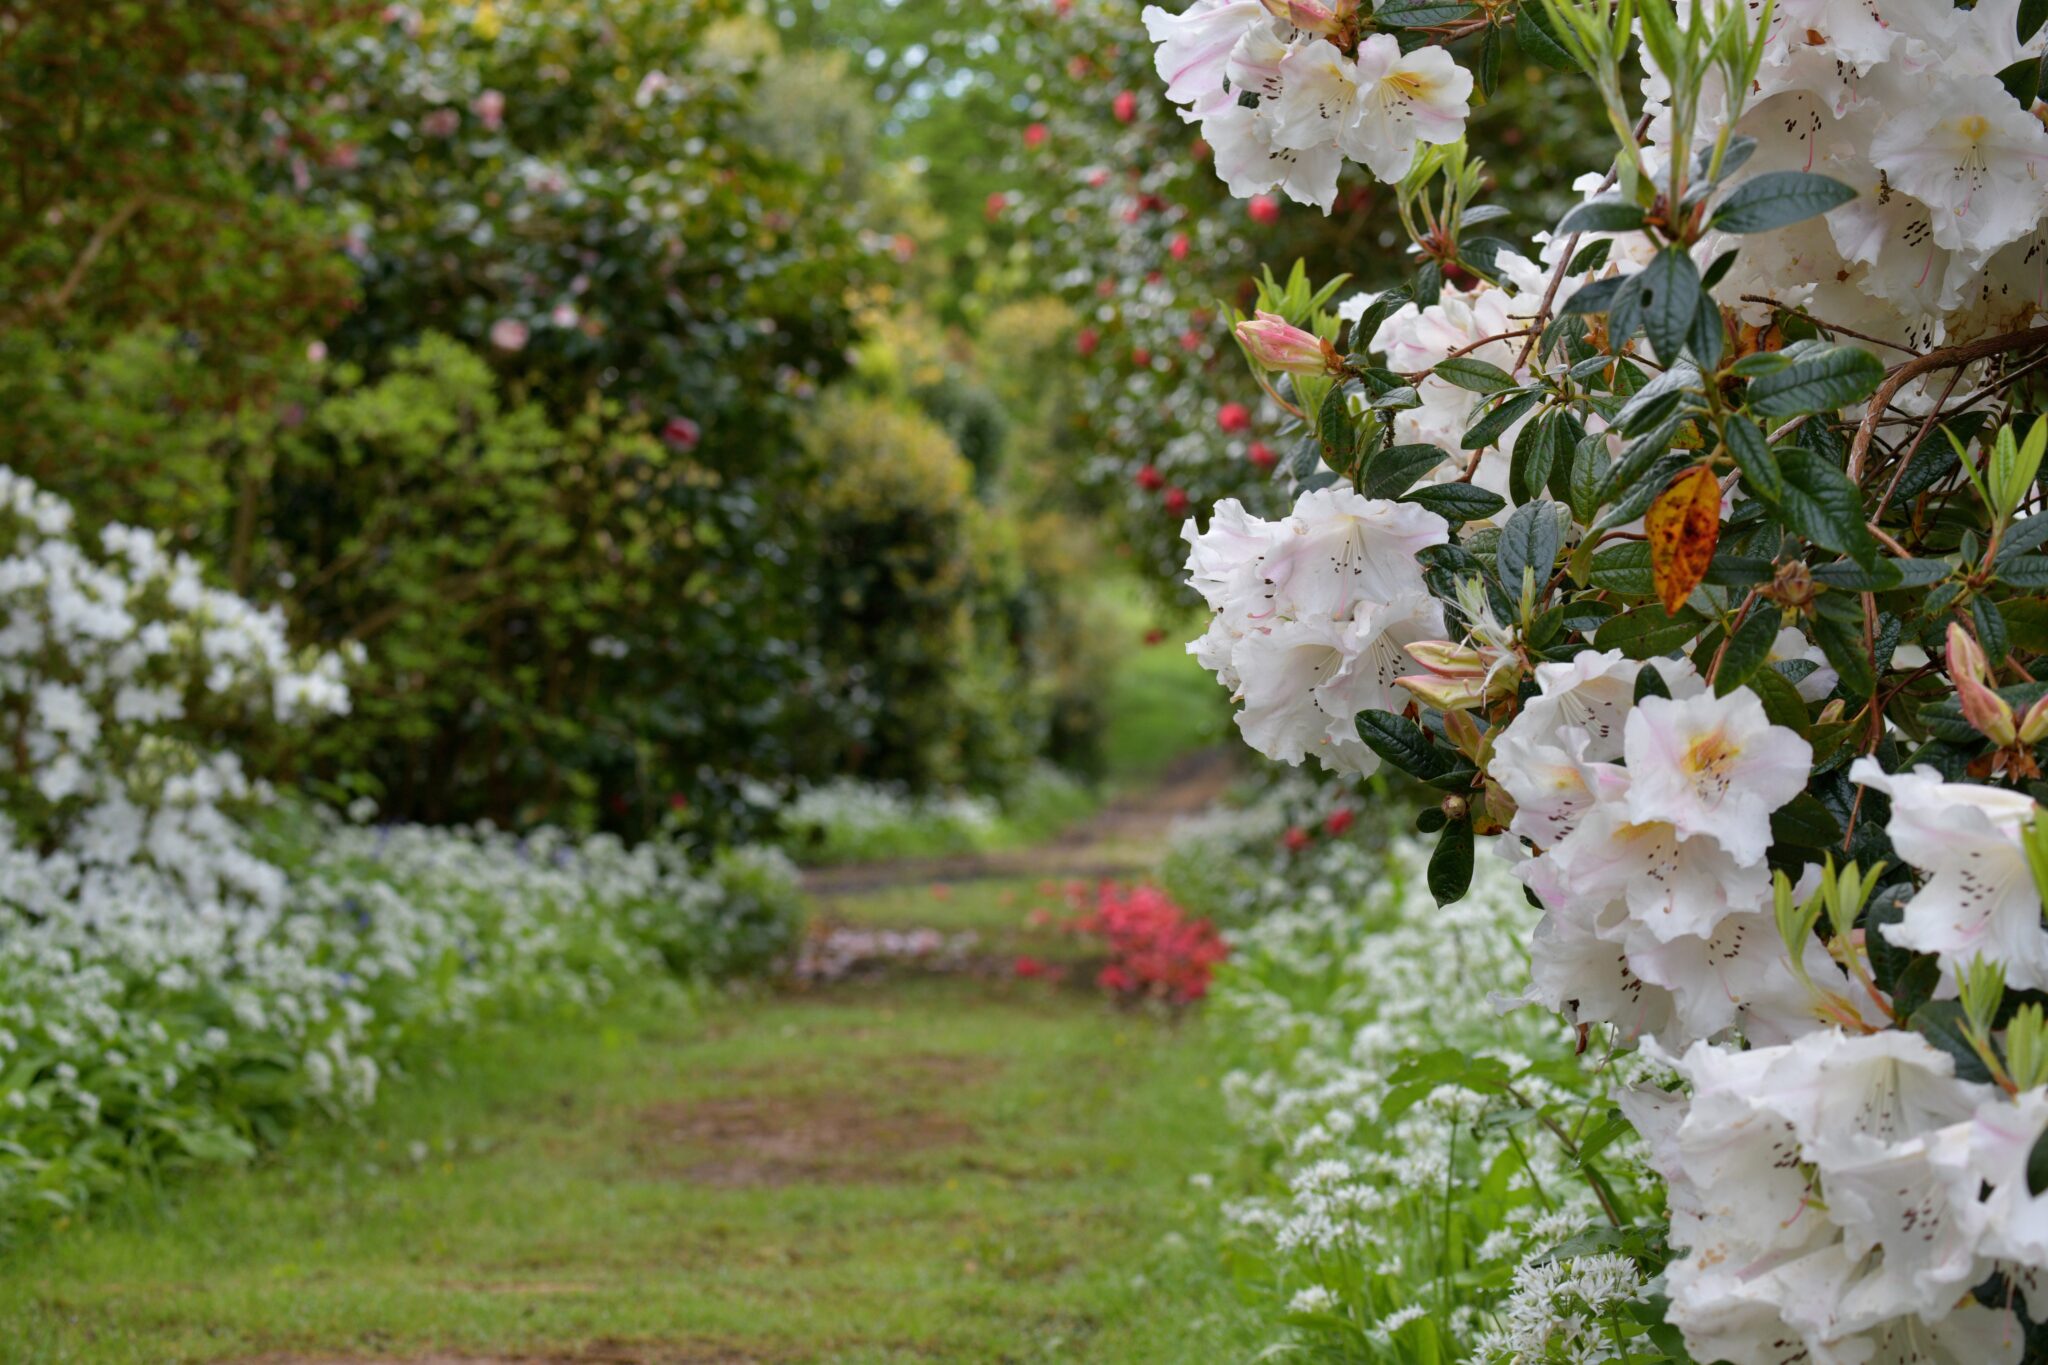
column 972, row 1169
column 1160, row 703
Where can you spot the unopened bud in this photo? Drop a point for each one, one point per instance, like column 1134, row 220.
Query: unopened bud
column 1986, row 711
column 1445, row 659
column 1274, row 343
column 2034, row 725
column 1453, row 807
column 1310, row 16
column 1446, row 694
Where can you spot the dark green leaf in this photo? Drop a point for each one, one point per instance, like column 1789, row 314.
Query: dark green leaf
column 1450, row 867
column 1608, row 213
column 1487, row 429
column 1747, row 649
column 1821, row 505
column 1941, row 1022
column 1457, row 502
column 1647, row 632
column 1403, row 743
column 1588, row 477
column 1670, row 291
column 1804, row 822
column 1591, row 256
column 1393, row 471
column 1531, row 539
column 1775, row 198
column 1624, row 567
column 1420, row 13
column 1820, row 381
column 2032, row 14
column 2026, row 572
column 1475, row 375
column 1842, row 641
column 1535, row 31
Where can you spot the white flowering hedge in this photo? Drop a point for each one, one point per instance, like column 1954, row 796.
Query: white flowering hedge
column 186, row 964
column 1384, row 1107
column 1698, row 556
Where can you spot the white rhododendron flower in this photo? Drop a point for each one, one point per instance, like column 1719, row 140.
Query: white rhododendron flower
column 1713, row 767
column 1312, row 614
column 1825, row 1186
column 1283, row 107
column 1377, row 108
column 1979, row 896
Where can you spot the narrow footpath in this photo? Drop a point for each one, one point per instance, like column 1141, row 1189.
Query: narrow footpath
column 918, row 1156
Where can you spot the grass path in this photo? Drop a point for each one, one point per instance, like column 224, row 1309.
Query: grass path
column 967, row 1168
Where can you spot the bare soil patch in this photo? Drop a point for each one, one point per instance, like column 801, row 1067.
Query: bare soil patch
column 834, row 1136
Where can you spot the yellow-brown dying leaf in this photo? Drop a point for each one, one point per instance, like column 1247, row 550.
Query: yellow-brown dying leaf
column 1684, row 523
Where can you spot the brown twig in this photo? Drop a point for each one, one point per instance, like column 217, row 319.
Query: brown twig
column 1947, row 357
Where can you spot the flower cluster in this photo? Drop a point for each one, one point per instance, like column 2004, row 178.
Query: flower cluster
column 1311, row 617
column 1286, row 93
column 1843, row 1196
column 1736, row 545
column 1157, row 951
column 1383, row 1093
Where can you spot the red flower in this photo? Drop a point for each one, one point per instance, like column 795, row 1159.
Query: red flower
column 1295, row 839
column 1262, row 455
column 1179, row 247
column 1176, row 502
column 1150, row 479
column 681, row 434
column 1233, row 417
column 1264, row 209
column 993, row 206
column 1155, row 636
column 1035, row 135
column 1339, row 820
column 1191, row 340
column 1155, row 951
column 1125, row 106
column 1086, row 341
column 1142, row 358
column 1028, row 968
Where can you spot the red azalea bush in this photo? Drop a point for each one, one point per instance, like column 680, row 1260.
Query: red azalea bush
column 1157, row 951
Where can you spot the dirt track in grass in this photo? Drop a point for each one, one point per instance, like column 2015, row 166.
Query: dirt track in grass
column 1122, row 839
column 904, row 1166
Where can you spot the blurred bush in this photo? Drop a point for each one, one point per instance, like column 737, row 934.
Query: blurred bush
column 492, row 338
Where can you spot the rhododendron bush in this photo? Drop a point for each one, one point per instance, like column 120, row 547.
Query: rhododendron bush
column 1692, row 557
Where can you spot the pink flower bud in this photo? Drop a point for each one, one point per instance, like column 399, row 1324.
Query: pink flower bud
column 1233, row 417
column 1264, row 209
column 1986, row 711
column 1309, row 16
column 2034, row 725
column 1447, row 694
column 1448, row 660
column 1125, row 106
column 1277, row 344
